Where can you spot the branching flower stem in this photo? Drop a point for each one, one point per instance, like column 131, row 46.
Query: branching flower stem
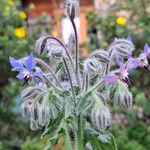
column 85, row 82
column 69, row 76
column 108, row 64
column 50, row 37
column 41, row 62
column 93, row 88
column 80, row 132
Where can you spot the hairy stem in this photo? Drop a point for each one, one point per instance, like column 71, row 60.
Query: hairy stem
column 96, row 86
column 108, row 64
column 69, row 76
column 50, row 37
column 76, row 53
column 114, row 141
column 41, row 62
column 67, row 139
column 80, row 132
column 85, row 82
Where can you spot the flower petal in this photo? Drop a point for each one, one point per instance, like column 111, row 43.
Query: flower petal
column 37, row 80
column 122, row 69
column 30, row 62
column 15, row 64
column 129, row 38
column 129, row 56
column 133, row 65
column 37, row 74
column 20, row 76
column 146, row 49
column 118, row 61
column 110, row 79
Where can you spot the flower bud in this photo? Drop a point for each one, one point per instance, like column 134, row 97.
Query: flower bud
column 72, row 7
column 120, row 94
column 101, row 117
column 128, row 99
column 92, row 65
column 34, row 112
column 101, row 55
column 121, row 47
column 50, row 45
column 33, row 124
column 25, row 109
column 44, row 115
column 56, row 52
column 39, row 46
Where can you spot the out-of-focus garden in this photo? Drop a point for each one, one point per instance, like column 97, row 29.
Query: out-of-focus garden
column 23, row 22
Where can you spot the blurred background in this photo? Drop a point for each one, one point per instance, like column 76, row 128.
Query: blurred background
column 22, row 22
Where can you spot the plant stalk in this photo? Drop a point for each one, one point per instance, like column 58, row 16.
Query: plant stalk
column 77, row 52
column 80, row 132
column 67, row 139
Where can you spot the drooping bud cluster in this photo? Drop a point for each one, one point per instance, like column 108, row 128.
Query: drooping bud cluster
column 121, row 47
column 37, row 107
column 101, row 55
column 72, row 8
column 92, row 65
column 95, row 63
column 52, row 46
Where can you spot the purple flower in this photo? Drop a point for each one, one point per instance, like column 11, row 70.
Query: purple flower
column 121, row 74
column 111, row 79
column 132, row 63
column 143, row 57
column 146, row 49
column 141, row 61
column 27, row 68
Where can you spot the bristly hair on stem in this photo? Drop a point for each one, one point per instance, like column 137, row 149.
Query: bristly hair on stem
column 71, row 98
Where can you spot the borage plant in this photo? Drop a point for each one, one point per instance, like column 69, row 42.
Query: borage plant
column 70, row 97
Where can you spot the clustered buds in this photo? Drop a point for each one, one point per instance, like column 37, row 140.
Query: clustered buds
column 101, row 55
column 92, row 65
column 121, row 47
column 52, row 46
column 95, row 63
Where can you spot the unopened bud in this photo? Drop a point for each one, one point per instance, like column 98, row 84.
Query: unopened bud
column 72, row 7
column 101, row 55
column 101, row 117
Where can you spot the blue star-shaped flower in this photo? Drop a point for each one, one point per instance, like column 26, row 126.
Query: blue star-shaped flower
column 26, row 69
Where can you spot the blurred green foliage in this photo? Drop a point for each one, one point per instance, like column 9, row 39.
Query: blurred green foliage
column 33, row 144
column 17, row 41
column 107, row 28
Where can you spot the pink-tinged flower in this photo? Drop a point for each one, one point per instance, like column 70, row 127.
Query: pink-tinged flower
column 143, row 57
column 121, row 74
column 141, row 61
column 26, row 69
column 111, row 79
column 146, row 49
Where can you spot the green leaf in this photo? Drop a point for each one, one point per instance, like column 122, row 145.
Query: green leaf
column 93, row 141
column 54, row 124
